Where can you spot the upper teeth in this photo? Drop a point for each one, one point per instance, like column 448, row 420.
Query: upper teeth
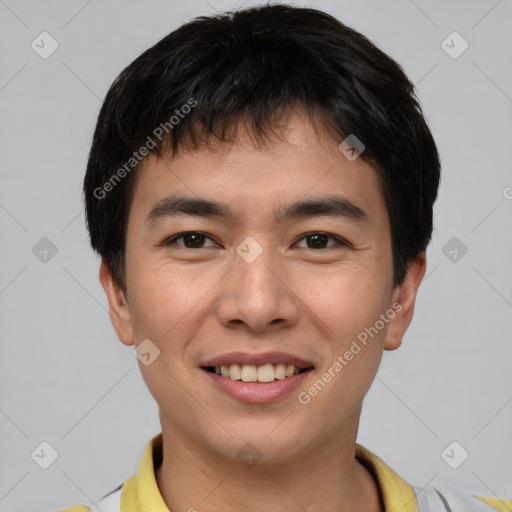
column 252, row 373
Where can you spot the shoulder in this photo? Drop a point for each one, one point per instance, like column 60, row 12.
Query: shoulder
column 431, row 499
column 109, row 503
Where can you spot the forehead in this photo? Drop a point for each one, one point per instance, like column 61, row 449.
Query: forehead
column 301, row 163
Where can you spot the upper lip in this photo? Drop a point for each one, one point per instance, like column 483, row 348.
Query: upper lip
column 258, row 359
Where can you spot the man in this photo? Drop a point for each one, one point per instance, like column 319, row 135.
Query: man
column 260, row 189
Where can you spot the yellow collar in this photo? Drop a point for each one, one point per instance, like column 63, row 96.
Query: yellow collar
column 397, row 494
column 140, row 492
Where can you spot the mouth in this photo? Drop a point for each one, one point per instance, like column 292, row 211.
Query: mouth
column 262, row 374
column 257, row 378
column 262, row 384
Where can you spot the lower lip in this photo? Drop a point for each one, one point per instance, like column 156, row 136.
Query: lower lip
column 255, row 392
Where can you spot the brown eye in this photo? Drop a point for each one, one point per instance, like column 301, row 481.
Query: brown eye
column 320, row 241
column 191, row 240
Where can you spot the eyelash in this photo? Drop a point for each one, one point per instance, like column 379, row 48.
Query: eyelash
column 339, row 240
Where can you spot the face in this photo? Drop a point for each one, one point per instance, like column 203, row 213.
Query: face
column 308, row 281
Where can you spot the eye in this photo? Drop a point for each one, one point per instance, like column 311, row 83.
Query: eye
column 319, row 240
column 191, row 240
column 196, row 240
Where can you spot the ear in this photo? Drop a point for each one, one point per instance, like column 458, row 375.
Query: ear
column 118, row 306
column 405, row 295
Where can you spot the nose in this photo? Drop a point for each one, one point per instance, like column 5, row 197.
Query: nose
column 258, row 296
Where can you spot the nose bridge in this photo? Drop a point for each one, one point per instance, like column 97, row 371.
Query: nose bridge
column 256, row 294
column 254, row 281
column 257, row 275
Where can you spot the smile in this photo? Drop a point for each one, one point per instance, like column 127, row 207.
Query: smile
column 251, row 373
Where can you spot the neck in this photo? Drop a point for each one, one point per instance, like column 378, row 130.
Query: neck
column 327, row 478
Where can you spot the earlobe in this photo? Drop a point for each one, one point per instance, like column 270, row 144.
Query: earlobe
column 405, row 295
column 119, row 310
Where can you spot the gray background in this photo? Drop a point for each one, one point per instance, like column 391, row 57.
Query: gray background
column 66, row 378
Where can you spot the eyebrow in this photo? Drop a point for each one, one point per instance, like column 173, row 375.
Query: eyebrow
column 331, row 206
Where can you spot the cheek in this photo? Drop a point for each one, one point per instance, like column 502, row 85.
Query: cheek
column 348, row 307
column 163, row 312
column 347, row 300
column 353, row 343
column 160, row 299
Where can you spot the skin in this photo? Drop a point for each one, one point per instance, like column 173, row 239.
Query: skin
column 198, row 303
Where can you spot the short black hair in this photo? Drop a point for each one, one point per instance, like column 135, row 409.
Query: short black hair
column 250, row 68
